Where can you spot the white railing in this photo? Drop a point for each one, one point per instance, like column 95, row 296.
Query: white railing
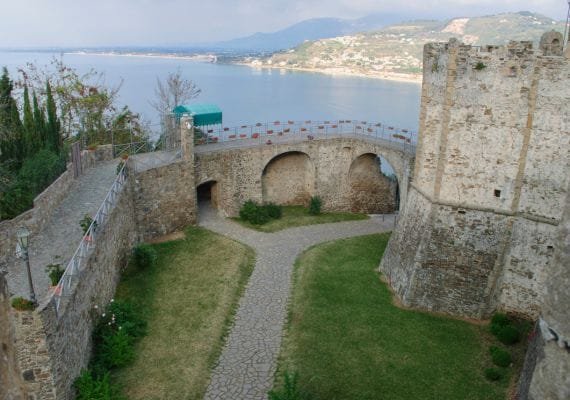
column 78, row 261
column 264, row 132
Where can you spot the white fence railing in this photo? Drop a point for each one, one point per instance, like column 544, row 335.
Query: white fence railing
column 268, row 130
column 78, row 261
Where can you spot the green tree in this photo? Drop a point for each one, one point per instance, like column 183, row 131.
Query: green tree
column 39, row 120
column 11, row 129
column 53, row 128
column 32, row 142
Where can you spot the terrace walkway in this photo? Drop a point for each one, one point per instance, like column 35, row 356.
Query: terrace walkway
column 57, row 242
column 247, row 364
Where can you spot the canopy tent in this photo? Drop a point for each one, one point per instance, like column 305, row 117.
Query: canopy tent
column 203, row 114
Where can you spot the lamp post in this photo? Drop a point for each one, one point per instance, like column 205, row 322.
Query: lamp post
column 23, row 235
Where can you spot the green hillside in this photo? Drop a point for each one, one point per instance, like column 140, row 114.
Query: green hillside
column 397, row 50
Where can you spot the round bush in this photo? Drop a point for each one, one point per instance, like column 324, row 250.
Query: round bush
column 144, row 256
column 500, row 357
column 273, row 210
column 499, row 321
column 508, row 335
column 493, row 374
column 315, row 205
column 254, row 213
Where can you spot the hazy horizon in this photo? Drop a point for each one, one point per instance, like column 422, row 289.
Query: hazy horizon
column 107, row 23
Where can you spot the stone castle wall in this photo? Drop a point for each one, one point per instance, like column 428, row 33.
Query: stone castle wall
column 323, row 166
column 493, row 164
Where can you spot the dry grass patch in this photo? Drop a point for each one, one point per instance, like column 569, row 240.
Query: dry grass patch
column 188, row 299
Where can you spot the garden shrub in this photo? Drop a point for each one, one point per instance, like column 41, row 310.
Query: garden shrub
column 144, row 256
column 499, row 321
column 315, row 205
column 493, row 374
column 86, row 222
column 21, row 304
column 273, row 210
column 290, row 389
column 89, row 387
column 508, row 335
column 55, row 272
column 254, row 213
column 500, row 357
column 114, row 336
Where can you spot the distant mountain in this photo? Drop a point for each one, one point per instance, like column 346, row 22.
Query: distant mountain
column 396, row 51
column 311, row 29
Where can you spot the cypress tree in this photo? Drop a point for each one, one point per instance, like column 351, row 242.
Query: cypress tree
column 39, row 122
column 11, row 129
column 52, row 127
column 31, row 140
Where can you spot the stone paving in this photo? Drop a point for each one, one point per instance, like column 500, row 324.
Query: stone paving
column 247, row 364
column 59, row 239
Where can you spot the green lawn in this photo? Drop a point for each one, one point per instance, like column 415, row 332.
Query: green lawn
column 347, row 340
column 299, row 216
column 188, row 299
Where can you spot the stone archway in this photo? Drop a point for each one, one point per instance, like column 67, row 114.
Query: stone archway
column 208, row 193
column 289, row 179
column 370, row 190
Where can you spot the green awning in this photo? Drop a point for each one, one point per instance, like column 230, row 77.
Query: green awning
column 203, row 114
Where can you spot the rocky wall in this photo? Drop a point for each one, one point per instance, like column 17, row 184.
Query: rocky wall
column 165, row 199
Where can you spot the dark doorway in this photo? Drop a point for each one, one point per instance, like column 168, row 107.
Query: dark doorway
column 207, row 193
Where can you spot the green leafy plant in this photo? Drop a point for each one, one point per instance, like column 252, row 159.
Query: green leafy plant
column 315, row 205
column 119, row 167
column 273, row 210
column 290, row 389
column 119, row 327
column 144, row 256
column 89, row 387
column 86, row 222
column 254, row 213
column 499, row 321
column 500, row 357
column 55, row 272
column 21, row 304
column 509, row 335
column 480, row 66
column 493, row 374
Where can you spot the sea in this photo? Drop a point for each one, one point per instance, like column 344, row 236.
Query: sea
column 246, row 95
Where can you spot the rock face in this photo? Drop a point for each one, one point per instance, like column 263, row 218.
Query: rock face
column 478, row 232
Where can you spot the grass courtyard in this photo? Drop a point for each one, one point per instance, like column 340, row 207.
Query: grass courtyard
column 299, row 216
column 188, row 299
column 346, row 340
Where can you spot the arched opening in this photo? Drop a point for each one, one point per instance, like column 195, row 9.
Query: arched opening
column 289, row 179
column 207, row 194
column 373, row 186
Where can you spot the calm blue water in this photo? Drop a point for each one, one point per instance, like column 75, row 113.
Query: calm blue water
column 248, row 95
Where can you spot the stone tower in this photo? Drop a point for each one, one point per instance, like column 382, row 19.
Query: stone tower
column 491, row 174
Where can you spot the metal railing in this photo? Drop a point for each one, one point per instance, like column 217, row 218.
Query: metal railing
column 78, row 261
column 129, row 149
column 265, row 132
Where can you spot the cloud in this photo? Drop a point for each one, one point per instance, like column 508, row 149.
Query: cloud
column 139, row 22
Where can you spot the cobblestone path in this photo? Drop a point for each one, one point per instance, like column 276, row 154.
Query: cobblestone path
column 247, row 364
column 57, row 242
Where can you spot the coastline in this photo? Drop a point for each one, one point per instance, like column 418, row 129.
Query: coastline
column 340, row 71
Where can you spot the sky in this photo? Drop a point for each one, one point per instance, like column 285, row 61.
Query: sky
column 76, row 23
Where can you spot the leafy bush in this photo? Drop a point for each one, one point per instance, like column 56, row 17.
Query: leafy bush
column 499, row 321
column 290, row 389
column 500, row 357
column 273, row 210
column 493, row 374
column 55, row 272
column 89, row 387
column 508, row 335
column 254, row 213
column 315, row 205
column 36, row 174
column 480, row 66
column 86, row 222
column 21, row 304
column 144, row 256
column 114, row 336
